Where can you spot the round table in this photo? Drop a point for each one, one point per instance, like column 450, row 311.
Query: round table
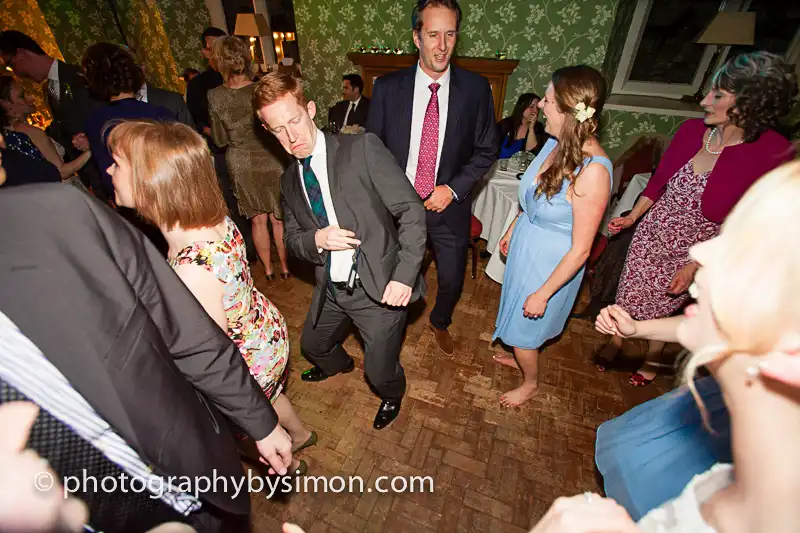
column 496, row 205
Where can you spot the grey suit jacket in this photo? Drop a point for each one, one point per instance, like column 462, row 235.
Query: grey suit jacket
column 107, row 310
column 172, row 101
column 372, row 198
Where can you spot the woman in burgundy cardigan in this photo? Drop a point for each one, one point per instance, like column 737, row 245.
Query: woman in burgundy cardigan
column 708, row 166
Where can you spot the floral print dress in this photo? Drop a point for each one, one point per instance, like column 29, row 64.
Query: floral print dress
column 661, row 244
column 254, row 324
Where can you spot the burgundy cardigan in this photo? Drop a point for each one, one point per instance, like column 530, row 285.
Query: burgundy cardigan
column 737, row 168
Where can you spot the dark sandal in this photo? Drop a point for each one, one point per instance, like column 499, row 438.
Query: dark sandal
column 312, row 440
column 286, row 275
column 601, row 363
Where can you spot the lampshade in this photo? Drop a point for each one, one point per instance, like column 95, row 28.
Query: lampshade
column 251, row 25
column 729, row 27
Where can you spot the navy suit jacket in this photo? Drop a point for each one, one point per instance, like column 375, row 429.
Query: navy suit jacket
column 470, row 140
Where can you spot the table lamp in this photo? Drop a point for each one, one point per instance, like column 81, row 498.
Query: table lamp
column 725, row 29
column 253, row 25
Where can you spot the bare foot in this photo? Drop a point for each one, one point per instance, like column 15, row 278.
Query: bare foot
column 518, row 396
column 505, row 359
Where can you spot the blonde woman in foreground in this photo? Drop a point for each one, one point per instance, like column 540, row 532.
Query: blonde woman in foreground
column 745, row 328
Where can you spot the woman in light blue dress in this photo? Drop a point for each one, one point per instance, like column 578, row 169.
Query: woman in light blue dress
column 563, row 196
column 648, row 455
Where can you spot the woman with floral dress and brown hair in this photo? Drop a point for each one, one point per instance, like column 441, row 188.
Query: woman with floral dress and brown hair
column 708, row 166
column 165, row 172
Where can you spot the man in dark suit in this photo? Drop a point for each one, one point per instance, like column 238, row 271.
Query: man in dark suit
column 169, row 100
column 438, row 121
column 126, row 348
column 68, row 97
column 198, row 87
column 354, row 109
column 340, row 201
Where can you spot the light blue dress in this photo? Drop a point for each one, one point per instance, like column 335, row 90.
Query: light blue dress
column 649, row 454
column 541, row 238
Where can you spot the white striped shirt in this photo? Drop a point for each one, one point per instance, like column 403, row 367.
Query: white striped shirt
column 23, row 366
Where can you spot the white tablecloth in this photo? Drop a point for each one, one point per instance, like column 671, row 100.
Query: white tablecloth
column 628, row 199
column 495, row 205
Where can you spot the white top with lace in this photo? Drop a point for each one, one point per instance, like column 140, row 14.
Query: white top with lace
column 682, row 515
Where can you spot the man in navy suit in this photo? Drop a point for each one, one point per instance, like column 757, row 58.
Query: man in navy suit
column 438, row 121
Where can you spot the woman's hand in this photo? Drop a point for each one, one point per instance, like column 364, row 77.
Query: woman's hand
column 586, row 513
column 682, row 279
column 505, row 242
column 620, row 223
column 614, row 320
column 535, row 306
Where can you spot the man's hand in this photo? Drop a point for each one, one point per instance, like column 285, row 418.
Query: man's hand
column 81, row 142
column 396, row 294
column 31, row 496
column 439, row 199
column 334, row 238
column 276, row 451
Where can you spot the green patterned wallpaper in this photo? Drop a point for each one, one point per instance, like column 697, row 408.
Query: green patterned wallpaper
column 78, row 23
column 184, row 23
column 543, row 35
column 164, row 33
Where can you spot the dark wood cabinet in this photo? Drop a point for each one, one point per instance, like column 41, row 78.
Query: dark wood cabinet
column 496, row 71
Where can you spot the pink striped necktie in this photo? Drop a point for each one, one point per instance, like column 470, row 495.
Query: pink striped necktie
column 425, row 179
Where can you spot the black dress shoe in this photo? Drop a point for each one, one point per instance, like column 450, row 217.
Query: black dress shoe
column 387, row 412
column 317, row 374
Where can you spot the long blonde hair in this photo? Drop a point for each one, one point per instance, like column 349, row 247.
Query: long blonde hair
column 572, row 86
column 754, row 281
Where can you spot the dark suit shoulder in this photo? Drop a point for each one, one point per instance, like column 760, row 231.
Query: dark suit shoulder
column 162, row 95
column 66, row 207
column 65, row 69
column 468, row 77
column 397, row 76
column 206, row 80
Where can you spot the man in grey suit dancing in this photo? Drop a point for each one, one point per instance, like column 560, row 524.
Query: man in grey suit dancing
column 349, row 210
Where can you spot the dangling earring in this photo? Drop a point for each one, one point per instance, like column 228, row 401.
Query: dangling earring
column 752, row 372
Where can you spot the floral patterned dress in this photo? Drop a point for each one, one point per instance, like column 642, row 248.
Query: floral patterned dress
column 660, row 247
column 254, row 324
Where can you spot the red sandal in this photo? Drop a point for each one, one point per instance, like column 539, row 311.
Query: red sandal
column 638, row 380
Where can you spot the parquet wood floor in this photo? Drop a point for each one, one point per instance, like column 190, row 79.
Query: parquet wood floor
column 494, row 470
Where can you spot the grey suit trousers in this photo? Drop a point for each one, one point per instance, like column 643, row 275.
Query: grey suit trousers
column 381, row 329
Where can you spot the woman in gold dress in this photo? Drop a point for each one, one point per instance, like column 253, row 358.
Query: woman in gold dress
column 254, row 160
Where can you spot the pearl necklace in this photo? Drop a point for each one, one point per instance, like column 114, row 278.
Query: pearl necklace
column 708, row 143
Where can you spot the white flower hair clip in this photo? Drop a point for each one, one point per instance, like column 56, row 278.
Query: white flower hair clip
column 583, row 113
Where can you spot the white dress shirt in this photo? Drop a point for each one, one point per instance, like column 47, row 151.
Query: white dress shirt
column 142, row 94
column 24, row 367
column 422, row 95
column 52, row 79
column 341, row 260
column 351, row 107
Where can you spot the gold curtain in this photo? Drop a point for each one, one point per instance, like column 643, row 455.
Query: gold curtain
column 25, row 16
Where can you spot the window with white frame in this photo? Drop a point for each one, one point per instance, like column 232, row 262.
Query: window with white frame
column 660, row 58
